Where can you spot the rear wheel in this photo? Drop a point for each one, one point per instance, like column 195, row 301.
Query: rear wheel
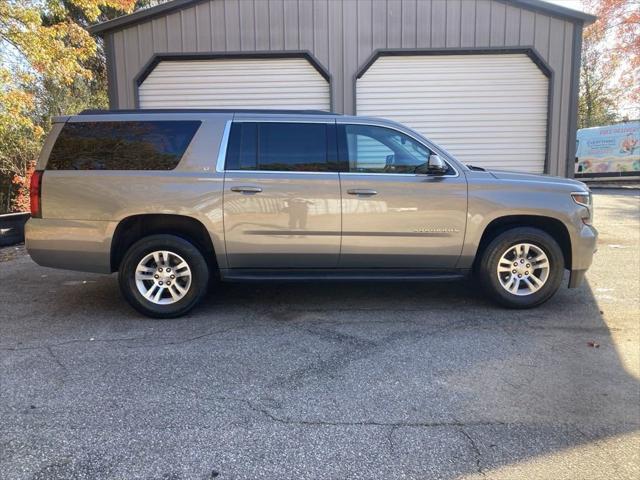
column 522, row 267
column 163, row 276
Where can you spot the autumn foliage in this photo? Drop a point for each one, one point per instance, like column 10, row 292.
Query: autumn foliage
column 610, row 77
column 621, row 20
column 21, row 201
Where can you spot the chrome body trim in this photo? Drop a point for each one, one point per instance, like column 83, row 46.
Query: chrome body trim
column 280, row 172
column 284, row 120
column 222, row 151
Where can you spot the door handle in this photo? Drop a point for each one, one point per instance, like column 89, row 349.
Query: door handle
column 362, row 191
column 246, row 189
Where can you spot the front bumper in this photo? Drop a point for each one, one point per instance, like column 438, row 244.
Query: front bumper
column 583, row 246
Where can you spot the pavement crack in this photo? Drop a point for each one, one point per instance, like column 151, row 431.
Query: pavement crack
column 476, row 451
column 364, row 423
column 70, row 342
column 58, row 362
column 351, row 349
column 392, row 448
column 338, row 337
column 188, row 339
column 124, row 339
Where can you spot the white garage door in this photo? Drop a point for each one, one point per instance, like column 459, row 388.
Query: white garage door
column 487, row 110
column 288, row 83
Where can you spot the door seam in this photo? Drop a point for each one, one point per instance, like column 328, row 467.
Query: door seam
column 341, row 220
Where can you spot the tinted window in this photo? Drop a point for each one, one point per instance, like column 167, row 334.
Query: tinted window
column 293, row 146
column 242, row 151
column 121, row 145
column 279, row 146
column 382, row 150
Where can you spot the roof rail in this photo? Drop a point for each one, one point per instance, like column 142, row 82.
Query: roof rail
column 206, row 110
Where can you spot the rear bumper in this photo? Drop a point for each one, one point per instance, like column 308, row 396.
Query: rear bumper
column 583, row 246
column 70, row 244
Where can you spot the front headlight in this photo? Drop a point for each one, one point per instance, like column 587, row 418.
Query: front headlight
column 584, row 199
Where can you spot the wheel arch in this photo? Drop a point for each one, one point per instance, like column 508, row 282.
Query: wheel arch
column 131, row 229
column 554, row 227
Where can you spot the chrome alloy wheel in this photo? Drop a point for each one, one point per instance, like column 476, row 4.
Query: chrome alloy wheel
column 523, row 269
column 163, row 277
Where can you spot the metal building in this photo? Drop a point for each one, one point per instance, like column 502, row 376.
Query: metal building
column 493, row 81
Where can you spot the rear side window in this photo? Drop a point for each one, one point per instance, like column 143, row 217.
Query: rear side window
column 243, row 147
column 279, row 146
column 144, row 145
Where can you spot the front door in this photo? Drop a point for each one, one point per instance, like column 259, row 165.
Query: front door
column 391, row 216
column 282, row 195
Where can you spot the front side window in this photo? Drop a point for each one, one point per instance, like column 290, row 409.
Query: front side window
column 382, row 150
column 279, row 146
column 127, row 145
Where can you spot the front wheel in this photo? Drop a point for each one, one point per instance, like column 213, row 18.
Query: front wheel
column 522, row 267
column 163, row 276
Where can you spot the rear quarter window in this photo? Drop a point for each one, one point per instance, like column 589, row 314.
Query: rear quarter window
column 139, row 145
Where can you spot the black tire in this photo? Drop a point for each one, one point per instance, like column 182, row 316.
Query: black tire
column 171, row 243
column 487, row 270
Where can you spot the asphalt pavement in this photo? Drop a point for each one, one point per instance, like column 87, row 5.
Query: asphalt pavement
column 331, row 381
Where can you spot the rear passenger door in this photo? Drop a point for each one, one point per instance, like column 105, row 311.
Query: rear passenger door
column 282, row 203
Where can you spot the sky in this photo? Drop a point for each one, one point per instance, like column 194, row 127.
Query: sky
column 574, row 4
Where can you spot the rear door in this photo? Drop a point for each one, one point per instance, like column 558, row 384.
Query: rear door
column 393, row 217
column 282, row 194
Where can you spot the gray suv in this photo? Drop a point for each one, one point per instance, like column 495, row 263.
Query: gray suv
column 173, row 198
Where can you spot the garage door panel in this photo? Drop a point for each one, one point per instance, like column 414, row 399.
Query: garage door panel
column 205, row 95
column 419, row 81
column 468, row 94
column 470, row 118
column 226, row 87
column 489, row 110
column 229, row 78
column 231, row 104
column 497, row 109
column 269, row 83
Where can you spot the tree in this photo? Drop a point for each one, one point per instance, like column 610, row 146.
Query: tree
column 92, row 92
column 610, row 61
column 48, row 65
column 598, row 103
column 622, row 22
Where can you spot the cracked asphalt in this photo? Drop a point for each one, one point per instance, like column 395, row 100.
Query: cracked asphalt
column 349, row 380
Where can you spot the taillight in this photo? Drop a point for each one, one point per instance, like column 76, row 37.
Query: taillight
column 35, row 194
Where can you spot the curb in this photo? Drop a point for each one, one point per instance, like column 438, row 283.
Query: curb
column 610, row 186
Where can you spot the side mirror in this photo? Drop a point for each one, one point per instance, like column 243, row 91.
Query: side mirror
column 436, row 165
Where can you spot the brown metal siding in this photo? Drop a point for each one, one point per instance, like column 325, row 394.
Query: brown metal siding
column 342, row 35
